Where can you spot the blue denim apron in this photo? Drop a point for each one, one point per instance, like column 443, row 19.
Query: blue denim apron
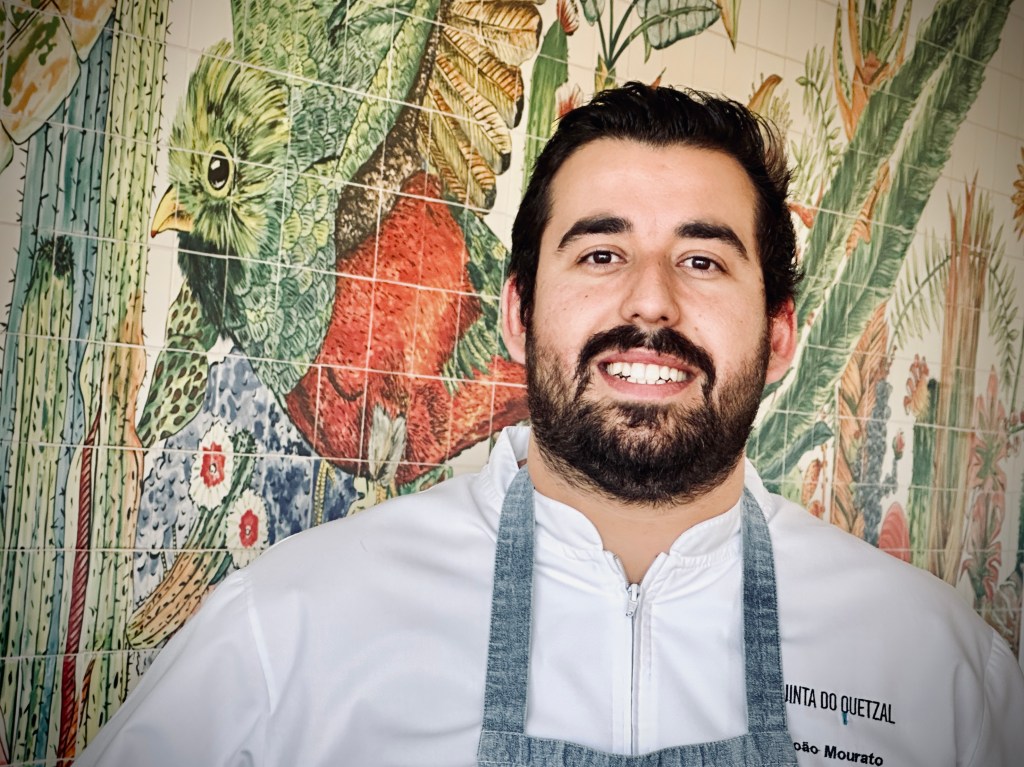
column 503, row 740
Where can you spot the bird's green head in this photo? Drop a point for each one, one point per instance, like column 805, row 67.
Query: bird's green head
column 229, row 146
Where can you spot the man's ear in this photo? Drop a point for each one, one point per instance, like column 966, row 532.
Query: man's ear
column 513, row 331
column 782, row 337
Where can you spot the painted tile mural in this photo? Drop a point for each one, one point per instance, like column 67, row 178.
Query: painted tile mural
column 252, row 251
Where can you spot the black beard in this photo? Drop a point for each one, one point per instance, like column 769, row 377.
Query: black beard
column 642, row 453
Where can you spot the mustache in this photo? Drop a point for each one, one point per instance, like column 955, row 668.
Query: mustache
column 663, row 341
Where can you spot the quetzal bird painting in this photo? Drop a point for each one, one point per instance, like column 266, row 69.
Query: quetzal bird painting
column 330, row 218
column 329, row 169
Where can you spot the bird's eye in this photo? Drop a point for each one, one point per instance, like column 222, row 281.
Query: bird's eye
column 219, row 171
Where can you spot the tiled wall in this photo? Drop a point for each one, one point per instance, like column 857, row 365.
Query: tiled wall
column 306, row 334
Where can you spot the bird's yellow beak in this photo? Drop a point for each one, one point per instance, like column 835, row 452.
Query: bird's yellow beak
column 170, row 215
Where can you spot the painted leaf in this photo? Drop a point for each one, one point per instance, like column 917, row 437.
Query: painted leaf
column 990, row 444
column 550, row 71
column 987, row 480
column 730, row 10
column 1004, row 616
column 764, row 94
column 43, row 65
column 475, row 95
column 1003, row 309
column 867, row 366
column 895, row 535
column 499, row 83
column 43, row 55
column 511, row 29
column 811, row 478
column 775, row 467
column 668, row 21
column 983, row 550
column 477, row 345
column 592, row 9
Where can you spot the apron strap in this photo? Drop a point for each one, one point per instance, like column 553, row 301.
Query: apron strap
column 766, row 710
column 508, row 652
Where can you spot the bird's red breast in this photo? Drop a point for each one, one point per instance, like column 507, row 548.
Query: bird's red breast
column 403, row 298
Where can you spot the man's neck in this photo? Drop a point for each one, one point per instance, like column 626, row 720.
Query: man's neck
column 634, row 533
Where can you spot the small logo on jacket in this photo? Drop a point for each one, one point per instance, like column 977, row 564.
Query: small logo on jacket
column 849, row 705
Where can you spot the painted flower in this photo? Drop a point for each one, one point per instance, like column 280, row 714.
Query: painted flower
column 387, row 445
column 567, row 98
column 212, row 468
column 568, row 15
column 894, row 536
column 899, row 444
column 1018, row 197
column 245, row 528
column 990, row 443
column 918, row 395
column 810, row 484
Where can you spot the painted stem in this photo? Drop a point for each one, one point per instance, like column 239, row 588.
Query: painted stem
column 80, row 579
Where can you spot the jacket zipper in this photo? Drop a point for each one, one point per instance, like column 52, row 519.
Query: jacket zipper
column 633, row 593
column 633, row 590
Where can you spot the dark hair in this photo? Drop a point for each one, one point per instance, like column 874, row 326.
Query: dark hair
column 660, row 117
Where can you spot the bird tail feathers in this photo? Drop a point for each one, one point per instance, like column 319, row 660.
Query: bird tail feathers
column 475, row 95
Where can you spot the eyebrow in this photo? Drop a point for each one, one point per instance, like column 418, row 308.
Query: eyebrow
column 595, row 225
column 705, row 230
column 690, row 230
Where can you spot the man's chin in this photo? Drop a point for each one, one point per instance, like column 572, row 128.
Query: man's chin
column 643, row 435
column 652, row 418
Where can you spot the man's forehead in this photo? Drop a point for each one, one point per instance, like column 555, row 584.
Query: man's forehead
column 604, row 179
column 616, row 152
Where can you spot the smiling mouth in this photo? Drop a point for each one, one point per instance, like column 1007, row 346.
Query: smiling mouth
column 646, row 373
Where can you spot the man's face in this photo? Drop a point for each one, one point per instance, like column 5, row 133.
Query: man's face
column 648, row 344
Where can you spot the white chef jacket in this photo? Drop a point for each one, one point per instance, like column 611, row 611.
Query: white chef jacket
column 364, row 642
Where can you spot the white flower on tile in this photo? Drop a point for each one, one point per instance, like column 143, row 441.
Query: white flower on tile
column 245, row 528
column 567, row 98
column 212, row 467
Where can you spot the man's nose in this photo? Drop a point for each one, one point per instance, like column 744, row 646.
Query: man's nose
column 651, row 298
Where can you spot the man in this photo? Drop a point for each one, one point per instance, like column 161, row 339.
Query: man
column 629, row 589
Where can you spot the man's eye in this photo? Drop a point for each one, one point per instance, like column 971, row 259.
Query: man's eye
column 600, row 257
column 701, row 263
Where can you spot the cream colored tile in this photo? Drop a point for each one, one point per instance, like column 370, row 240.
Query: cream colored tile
column 985, row 110
column 709, row 64
column 740, row 72
column 210, row 22
column 1011, row 108
column 1011, row 47
column 773, row 26
column 801, row 28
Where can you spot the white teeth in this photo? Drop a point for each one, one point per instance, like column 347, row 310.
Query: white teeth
column 646, row 373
